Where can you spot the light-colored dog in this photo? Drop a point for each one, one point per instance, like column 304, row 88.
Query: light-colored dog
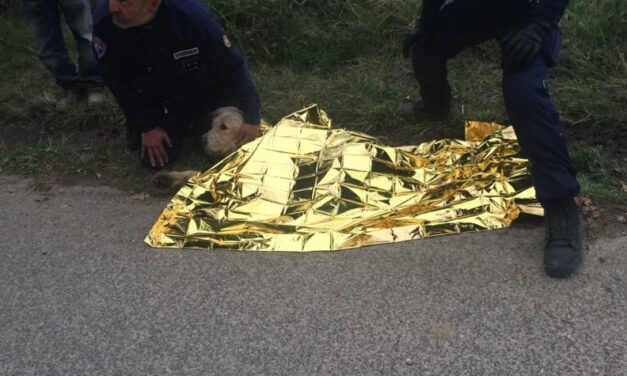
column 219, row 141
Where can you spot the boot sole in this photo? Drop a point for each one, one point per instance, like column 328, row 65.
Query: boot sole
column 567, row 271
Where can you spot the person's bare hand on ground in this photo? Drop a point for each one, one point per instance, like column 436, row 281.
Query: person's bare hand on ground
column 153, row 146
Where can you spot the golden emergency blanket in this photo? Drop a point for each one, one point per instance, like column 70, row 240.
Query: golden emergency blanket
column 305, row 186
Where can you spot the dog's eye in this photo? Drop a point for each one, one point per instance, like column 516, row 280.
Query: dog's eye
column 223, row 126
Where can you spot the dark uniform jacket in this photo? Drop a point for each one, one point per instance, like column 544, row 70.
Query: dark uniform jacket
column 177, row 66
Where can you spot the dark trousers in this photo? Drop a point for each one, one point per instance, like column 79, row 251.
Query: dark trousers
column 45, row 17
column 529, row 105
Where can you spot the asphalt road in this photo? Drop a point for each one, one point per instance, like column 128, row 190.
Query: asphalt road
column 82, row 295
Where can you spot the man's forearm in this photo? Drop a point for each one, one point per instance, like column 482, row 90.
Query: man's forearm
column 250, row 106
column 240, row 91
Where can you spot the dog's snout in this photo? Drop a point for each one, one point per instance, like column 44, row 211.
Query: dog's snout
column 221, row 139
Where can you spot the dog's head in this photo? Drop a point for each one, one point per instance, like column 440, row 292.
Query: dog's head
column 225, row 126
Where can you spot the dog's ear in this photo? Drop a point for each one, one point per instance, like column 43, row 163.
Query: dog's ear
column 231, row 122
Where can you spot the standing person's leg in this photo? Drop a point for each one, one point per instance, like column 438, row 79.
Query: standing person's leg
column 78, row 14
column 540, row 133
column 43, row 15
column 458, row 26
column 538, row 126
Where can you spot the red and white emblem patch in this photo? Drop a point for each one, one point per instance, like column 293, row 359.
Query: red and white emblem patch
column 226, row 41
column 100, row 47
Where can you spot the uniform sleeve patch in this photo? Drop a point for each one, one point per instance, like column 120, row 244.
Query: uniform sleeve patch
column 100, row 47
column 226, row 41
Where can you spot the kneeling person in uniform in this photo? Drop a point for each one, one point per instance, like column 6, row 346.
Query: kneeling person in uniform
column 171, row 69
column 530, row 40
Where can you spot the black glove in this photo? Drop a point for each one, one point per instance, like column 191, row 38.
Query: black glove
column 521, row 46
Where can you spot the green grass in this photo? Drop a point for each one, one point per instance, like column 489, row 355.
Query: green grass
column 599, row 175
column 345, row 56
column 602, row 190
column 589, row 159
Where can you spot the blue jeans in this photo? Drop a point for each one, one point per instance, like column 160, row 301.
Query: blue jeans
column 45, row 17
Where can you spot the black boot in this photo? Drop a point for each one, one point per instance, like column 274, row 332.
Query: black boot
column 410, row 110
column 563, row 253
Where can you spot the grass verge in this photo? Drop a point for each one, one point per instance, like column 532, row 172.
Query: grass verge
column 343, row 55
